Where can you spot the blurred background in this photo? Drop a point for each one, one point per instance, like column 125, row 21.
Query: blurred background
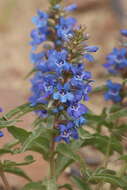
column 103, row 19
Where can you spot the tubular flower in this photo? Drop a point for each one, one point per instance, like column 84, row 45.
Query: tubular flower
column 113, row 91
column 60, row 81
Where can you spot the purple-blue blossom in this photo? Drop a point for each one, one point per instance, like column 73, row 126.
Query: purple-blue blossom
column 65, row 28
column 124, row 32
column 113, row 91
column 71, row 7
column 116, row 61
column 59, row 84
column 1, row 134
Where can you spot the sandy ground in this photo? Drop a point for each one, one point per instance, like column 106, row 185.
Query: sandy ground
column 15, row 26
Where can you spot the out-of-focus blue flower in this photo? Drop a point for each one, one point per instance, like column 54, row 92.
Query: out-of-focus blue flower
column 91, row 48
column 76, row 110
column 63, row 93
column 65, row 27
column 1, row 109
column 71, row 7
column 88, row 50
column 89, row 57
column 116, row 61
column 124, row 32
column 113, row 91
column 1, row 134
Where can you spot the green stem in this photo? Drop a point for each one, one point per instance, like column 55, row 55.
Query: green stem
column 4, row 179
column 52, row 160
column 105, row 164
column 52, row 150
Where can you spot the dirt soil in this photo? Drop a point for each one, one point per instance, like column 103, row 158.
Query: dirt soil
column 15, row 25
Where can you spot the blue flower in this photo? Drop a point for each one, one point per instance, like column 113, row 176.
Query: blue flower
column 80, row 121
column 76, row 110
column 71, row 7
column 38, row 36
column 91, row 48
column 89, row 57
column 116, row 61
column 65, row 28
column 37, row 57
column 41, row 20
column 67, row 132
column 60, row 81
column 124, row 32
column 1, row 109
column 113, row 91
column 79, row 76
column 57, row 61
column 1, row 134
column 63, row 93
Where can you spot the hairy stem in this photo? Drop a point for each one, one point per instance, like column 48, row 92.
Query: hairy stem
column 4, row 179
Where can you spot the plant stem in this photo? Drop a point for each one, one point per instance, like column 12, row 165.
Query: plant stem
column 52, row 160
column 105, row 164
column 4, row 179
column 107, row 153
column 52, row 150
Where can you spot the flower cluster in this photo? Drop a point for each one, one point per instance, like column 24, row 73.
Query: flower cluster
column 61, row 79
column 116, row 64
column 116, row 61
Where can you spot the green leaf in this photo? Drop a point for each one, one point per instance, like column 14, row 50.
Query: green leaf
column 34, row 186
column 4, row 124
column 62, row 161
column 19, row 133
column 42, row 146
column 81, row 183
column 118, row 114
column 123, row 157
column 21, row 110
column 11, row 144
column 17, row 171
column 66, row 186
column 65, row 150
column 32, row 137
column 28, row 160
column 5, row 151
column 101, row 143
column 112, row 179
